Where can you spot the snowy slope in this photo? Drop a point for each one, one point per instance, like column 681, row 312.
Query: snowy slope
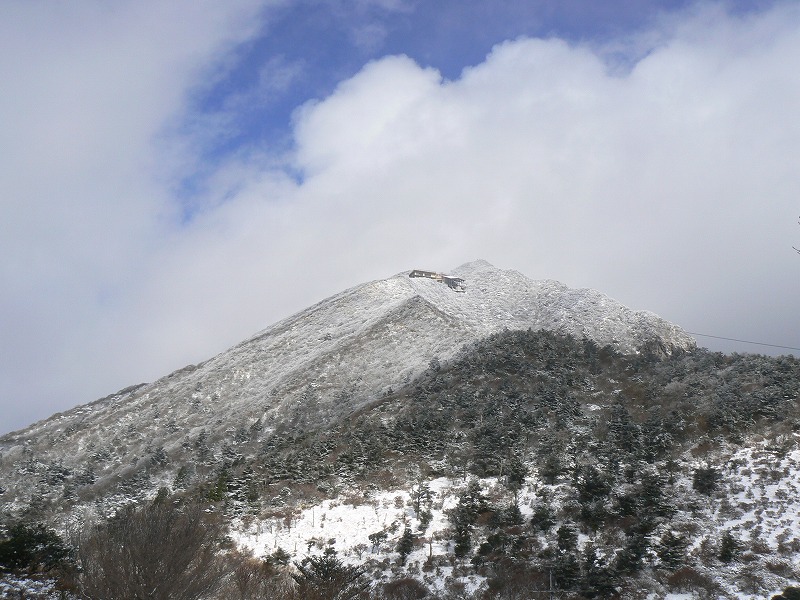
column 760, row 505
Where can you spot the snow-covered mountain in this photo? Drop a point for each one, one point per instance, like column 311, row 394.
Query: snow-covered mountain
column 513, row 432
column 339, row 354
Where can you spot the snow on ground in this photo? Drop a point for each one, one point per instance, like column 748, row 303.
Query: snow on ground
column 758, row 501
column 21, row 587
column 764, row 506
column 346, row 523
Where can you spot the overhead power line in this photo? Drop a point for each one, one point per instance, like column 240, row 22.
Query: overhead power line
column 717, row 337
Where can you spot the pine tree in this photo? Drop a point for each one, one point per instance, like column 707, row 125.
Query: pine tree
column 516, row 471
column 32, row 547
column 512, row 515
column 543, row 517
column 705, row 480
column 629, row 559
column 405, row 545
column 567, row 538
column 421, row 497
column 463, row 517
column 672, row 550
column 376, row 539
column 566, row 571
column 327, row 578
column 597, row 581
column 219, row 490
column 728, row 547
column 624, row 434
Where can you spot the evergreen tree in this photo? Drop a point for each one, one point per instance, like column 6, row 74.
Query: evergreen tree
column 328, row 578
column 201, row 446
column 651, row 494
column 624, row 434
column 463, row 517
column 592, row 483
column 597, row 580
column 566, row 571
column 376, row 539
column 421, row 497
column 516, row 471
column 182, row 477
column 705, row 479
column 629, row 560
column 671, row 550
column 543, row 517
column 567, row 538
column 512, row 515
column 728, row 547
column 219, row 490
column 405, row 545
column 31, row 546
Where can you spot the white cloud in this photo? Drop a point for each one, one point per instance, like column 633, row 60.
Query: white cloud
column 87, row 89
column 670, row 186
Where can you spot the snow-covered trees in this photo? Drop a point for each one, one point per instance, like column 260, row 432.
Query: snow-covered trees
column 463, row 517
column 569, row 440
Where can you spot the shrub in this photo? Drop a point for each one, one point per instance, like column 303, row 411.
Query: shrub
column 404, row 589
column 790, row 593
column 686, row 579
column 161, row 551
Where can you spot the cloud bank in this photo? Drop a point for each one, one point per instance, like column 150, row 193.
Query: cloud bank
column 659, row 169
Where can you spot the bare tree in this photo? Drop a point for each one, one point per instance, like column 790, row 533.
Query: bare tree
column 164, row 550
column 406, row 588
column 255, row 579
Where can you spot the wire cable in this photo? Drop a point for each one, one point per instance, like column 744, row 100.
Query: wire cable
column 717, row 337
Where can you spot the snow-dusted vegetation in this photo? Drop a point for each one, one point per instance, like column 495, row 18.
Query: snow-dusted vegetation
column 407, row 440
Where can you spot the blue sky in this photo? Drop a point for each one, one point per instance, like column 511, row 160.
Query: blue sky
column 177, row 176
column 304, row 49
